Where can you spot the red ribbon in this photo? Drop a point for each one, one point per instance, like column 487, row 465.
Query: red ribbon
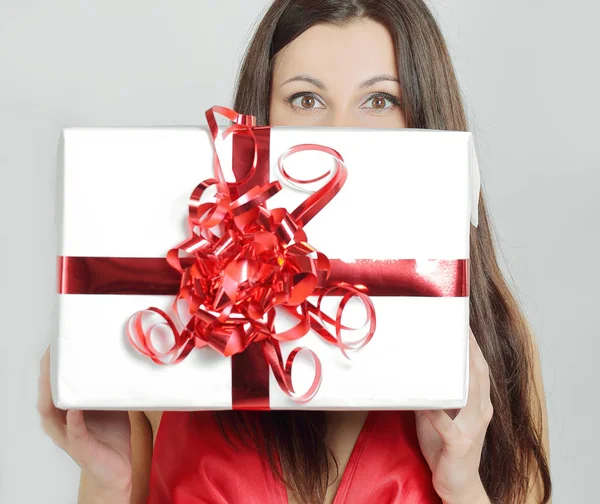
column 243, row 261
column 153, row 276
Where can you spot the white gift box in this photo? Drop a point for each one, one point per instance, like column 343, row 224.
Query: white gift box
column 410, row 194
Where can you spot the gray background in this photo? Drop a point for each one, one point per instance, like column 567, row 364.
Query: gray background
column 530, row 77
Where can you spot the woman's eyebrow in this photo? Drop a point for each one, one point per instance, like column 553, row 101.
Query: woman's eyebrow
column 378, row 78
column 318, row 83
column 306, row 78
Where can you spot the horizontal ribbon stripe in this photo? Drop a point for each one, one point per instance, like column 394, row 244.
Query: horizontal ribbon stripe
column 154, row 276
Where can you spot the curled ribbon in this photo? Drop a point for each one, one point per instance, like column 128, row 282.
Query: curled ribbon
column 244, row 261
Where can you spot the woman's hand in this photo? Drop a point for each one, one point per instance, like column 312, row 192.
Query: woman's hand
column 452, row 443
column 99, row 441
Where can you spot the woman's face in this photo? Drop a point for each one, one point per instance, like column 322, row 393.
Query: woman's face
column 337, row 76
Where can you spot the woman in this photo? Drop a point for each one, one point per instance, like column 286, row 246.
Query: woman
column 370, row 63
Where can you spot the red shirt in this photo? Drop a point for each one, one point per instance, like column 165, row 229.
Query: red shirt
column 194, row 464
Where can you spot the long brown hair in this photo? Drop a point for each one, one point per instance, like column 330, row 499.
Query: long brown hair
column 431, row 99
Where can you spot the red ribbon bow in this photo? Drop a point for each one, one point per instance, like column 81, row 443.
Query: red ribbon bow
column 244, row 261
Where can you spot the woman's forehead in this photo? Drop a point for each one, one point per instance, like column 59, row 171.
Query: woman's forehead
column 329, row 53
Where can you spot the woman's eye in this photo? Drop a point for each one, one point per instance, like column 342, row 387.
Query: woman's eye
column 306, row 102
column 380, row 102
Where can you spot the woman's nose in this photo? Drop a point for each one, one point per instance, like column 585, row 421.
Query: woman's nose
column 342, row 119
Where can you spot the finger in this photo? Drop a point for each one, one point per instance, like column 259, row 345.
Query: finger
column 484, row 381
column 52, row 418
column 478, row 358
column 443, row 425
column 420, row 413
column 469, row 414
column 77, row 434
column 477, row 412
column 483, row 369
column 474, row 375
column 477, row 364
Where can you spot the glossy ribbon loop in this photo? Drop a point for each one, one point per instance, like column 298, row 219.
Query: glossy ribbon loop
column 243, row 261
